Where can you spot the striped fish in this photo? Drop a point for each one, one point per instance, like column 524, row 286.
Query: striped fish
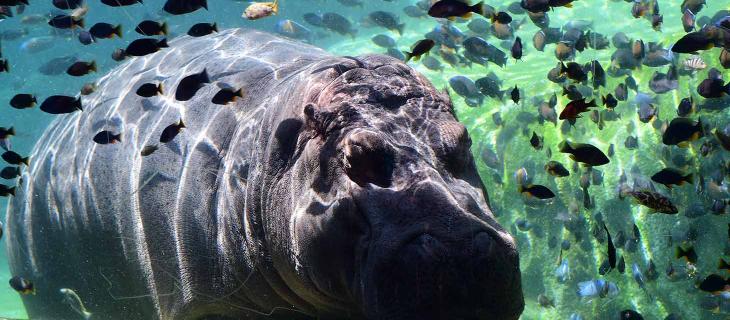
column 694, row 63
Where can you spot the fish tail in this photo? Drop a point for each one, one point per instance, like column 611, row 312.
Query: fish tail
column 80, row 23
column 689, row 178
column 204, row 4
column 239, row 93
column 78, row 104
column 408, row 56
column 180, row 124
column 118, row 137
column 723, row 264
column 275, row 7
column 160, row 88
column 215, row 27
column 118, row 30
column 11, row 131
column 565, row 147
column 400, row 28
column 140, row 1
column 162, row 43
column 12, row 191
column 204, row 78
column 478, row 8
column 92, row 66
column 163, row 28
column 603, row 99
column 679, row 252
column 26, row 161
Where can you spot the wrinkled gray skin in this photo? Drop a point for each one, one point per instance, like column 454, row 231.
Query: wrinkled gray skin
column 338, row 188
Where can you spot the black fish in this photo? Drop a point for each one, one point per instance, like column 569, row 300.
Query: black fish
column 151, row 28
column 119, row 55
column 621, row 265
column 227, row 95
column 6, row 132
column 61, row 104
column 23, row 101
column 671, row 176
column 10, row 173
column 148, row 90
column 171, row 131
column 148, row 150
column 22, row 285
column 537, row 191
column 419, row 48
column 66, row 22
column 177, row 7
column 202, row 29
column 630, row 315
column 6, row 191
column 103, row 30
column 713, row 283
column 515, row 95
column 12, row 157
column 621, row 92
column 517, row 49
column 688, row 254
column 611, row 249
column 120, row 3
column 556, row 169
column 713, row 86
column 685, row 107
column 609, row 101
column 574, row 71
column 107, row 137
column 583, row 152
column 81, row 68
column 145, row 46
column 682, row 131
column 68, row 4
column 451, row 9
column 536, row 141
column 190, row 85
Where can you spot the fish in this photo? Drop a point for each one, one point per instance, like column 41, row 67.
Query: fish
column 611, row 250
column 688, row 20
column 66, row 22
column 178, row 7
column 420, row 48
column 562, row 272
column 10, row 173
column 148, row 150
column 688, row 254
column 38, row 44
column 120, row 3
column 516, row 49
column 536, row 141
column 621, row 266
column 536, row 190
column 574, row 108
column 338, row 24
column 714, row 283
column 725, row 58
column 629, row 314
column 387, row 20
column 574, row 71
column 73, row 300
column 686, row 107
column 202, row 29
column 258, row 10
column 119, row 55
column 148, row 90
column 451, row 9
column 12, row 157
column 190, row 85
column 103, row 30
column 145, row 46
column 515, row 95
column 23, row 101
column 227, row 95
column 171, row 131
column 59, row 104
column 107, row 137
column 609, row 101
column 6, row 132
column 22, row 285
column 671, row 176
column 151, row 28
column 556, row 169
column 383, row 41
column 652, row 200
column 682, row 131
column 631, row 143
column 86, row 38
column 81, row 68
column 598, row 288
column 704, row 39
column 585, row 153
column 545, row 301
column 6, row 190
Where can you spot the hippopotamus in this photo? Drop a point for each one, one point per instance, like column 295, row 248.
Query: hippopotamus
column 334, row 188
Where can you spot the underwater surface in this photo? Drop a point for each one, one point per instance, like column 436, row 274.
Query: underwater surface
column 562, row 240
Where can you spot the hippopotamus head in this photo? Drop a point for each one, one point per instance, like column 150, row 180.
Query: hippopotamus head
column 382, row 212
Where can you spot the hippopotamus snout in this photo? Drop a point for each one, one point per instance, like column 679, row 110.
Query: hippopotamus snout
column 432, row 256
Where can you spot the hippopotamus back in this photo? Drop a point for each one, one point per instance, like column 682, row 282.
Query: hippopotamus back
column 204, row 227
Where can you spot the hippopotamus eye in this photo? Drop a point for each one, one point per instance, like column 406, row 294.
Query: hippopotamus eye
column 368, row 159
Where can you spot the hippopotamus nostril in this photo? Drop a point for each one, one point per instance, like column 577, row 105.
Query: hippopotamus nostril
column 484, row 246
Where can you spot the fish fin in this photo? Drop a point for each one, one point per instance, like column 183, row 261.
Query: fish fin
column 204, row 4
column 215, row 27
column 683, row 144
column 118, row 137
column 92, row 66
column 239, row 93
column 118, row 30
column 478, row 8
column 163, row 28
column 408, row 56
column 11, row 131
column 26, row 161
column 564, row 147
column 569, row 5
column 400, row 28
column 180, row 124
column 12, row 191
column 160, row 88
column 81, row 23
column 689, row 179
column 162, row 43
column 274, row 8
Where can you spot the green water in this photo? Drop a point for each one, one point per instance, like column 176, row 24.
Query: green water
column 537, row 258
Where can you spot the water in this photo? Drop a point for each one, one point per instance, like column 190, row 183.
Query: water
column 538, row 253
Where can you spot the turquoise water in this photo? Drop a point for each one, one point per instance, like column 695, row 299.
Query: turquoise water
column 538, row 253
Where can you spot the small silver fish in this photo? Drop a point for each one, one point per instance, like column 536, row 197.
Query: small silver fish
column 694, row 63
column 74, row 301
column 258, row 10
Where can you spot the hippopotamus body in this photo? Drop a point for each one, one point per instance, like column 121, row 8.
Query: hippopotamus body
column 336, row 188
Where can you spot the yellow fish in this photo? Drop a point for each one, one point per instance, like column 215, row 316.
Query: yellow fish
column 258, row 10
